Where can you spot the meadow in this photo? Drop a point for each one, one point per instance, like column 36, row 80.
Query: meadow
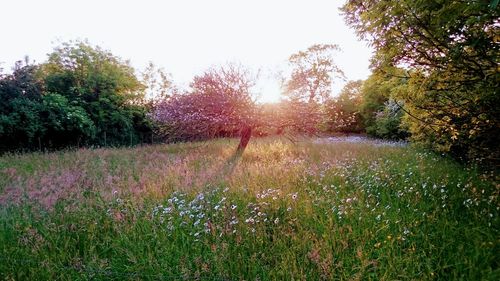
column 310, row 210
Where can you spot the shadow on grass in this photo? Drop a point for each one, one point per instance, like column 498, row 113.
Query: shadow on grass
column 228, row 168
column 231, row 163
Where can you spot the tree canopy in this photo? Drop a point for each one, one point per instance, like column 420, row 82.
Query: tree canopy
column 82, row 95
column 450, row 51
column 219, row 103
column 312, row 74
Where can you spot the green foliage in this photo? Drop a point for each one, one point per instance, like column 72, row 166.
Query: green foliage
column 462, row 121
column 82, row 95
column 65, row 123
column 380, row 112
column 104, row 86
column 388, row 122
column 312, row 74
column 20, row 104
column 451, row 51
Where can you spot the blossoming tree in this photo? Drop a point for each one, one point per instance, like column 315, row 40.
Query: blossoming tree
column 219, row 104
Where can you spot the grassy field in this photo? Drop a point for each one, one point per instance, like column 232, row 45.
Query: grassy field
column 283, row 211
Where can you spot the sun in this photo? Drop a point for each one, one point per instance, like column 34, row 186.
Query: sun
column 268, row 92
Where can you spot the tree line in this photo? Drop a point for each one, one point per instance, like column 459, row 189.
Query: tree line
column 82, row 96
column 434, row 81
column 447, row 54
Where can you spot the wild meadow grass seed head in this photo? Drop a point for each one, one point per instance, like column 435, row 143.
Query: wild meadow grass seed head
column 317, row 198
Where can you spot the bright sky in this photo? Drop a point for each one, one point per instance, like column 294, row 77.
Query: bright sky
column 185, row 36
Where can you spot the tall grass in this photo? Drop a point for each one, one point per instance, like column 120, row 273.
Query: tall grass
column 305, row 211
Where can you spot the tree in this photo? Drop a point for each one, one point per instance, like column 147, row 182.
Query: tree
column 219, row 104
column 82, row 95
column 158, row 83
column 380, row 110
column 312, row 74
column 342, row 112
column 20, row 98
column 64, row 123
column 104, row 86
column 451, row 52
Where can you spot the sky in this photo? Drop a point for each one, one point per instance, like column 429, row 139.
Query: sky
column 185, row 37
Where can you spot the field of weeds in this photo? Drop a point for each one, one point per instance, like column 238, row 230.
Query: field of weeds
column 311, row 210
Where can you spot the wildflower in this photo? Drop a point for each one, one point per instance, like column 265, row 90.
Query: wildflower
column 170, row 226
column 276, row 221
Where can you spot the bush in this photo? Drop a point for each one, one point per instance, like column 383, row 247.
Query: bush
column 82, row 95
column 387, row 123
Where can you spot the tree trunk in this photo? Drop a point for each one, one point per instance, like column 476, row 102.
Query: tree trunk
column 246, row 134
